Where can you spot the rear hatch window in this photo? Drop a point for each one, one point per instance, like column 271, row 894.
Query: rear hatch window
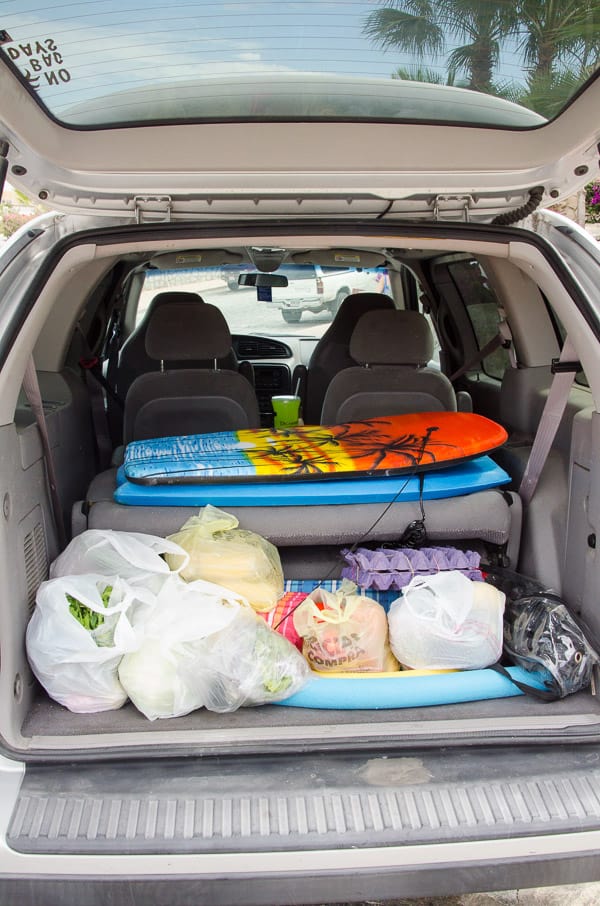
column 98, row 63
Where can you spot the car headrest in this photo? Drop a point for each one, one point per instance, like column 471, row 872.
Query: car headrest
column 182, row 331
column 392, row 338
column 349, row 312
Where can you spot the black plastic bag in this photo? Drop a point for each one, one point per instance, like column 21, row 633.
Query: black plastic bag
column 540, row 634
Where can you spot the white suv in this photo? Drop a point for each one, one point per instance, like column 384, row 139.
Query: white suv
column 313, row 288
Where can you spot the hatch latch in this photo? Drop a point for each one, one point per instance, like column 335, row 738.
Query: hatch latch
column 153, row 208
column 451, row 207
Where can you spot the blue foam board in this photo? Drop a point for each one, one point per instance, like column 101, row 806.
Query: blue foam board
column 477, row 474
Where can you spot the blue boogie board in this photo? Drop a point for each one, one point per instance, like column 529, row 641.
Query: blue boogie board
column 477, row 474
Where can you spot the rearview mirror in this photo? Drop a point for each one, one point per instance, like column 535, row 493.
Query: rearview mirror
column 262, row 280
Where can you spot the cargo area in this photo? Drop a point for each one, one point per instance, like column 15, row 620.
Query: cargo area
column 49, row 727
column 552, row 541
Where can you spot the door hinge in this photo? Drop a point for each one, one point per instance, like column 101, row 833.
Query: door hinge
column 447, row 207
column 153, row 208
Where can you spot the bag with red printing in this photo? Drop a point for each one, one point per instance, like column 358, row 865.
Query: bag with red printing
column 344, row 632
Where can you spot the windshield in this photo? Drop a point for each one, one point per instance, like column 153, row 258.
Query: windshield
column 305, row 307
column 494, row 63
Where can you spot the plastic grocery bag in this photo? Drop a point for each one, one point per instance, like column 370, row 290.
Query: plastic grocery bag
column 246, row 663
column 343, row 631
column 221, row 552
column 79, row 630
column 541, row 635
column 184, row 614
column 134, row 556
column 446, row 622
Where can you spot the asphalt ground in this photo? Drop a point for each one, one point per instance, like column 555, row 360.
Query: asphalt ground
column 567, row 895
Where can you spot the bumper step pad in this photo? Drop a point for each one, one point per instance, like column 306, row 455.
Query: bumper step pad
column 308, row 802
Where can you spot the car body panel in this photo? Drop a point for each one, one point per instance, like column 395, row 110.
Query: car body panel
column 210, row 170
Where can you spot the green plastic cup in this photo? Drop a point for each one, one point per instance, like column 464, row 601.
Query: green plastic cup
column 286, row 409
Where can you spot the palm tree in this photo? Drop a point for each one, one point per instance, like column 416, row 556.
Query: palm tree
column 426, row 74
column 557, row 34
column 558, row 41
column 548, row 92
column 422, row 28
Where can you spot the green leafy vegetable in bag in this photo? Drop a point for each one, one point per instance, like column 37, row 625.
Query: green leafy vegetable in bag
column 89, row 619
column 270, row 659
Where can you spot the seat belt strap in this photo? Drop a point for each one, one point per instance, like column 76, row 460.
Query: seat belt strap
column 104, row 444
column 481, row 354
column 502, row 338
column 564, row 369
column 32, row 392
column 97, row 386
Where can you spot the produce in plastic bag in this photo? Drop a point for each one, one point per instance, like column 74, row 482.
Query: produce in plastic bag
column 134, row 556
column 344, row 632
column 80, row 629
column 446, row 622
column 245, row 664
column 221, row 552
column 184, row 614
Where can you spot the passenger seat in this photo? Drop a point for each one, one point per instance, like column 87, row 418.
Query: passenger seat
column 393, row 349
column 331, row 354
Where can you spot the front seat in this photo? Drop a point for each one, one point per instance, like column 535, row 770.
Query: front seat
column 392, row 377
column 133, row 358
column 331, row 354
column 188, row 400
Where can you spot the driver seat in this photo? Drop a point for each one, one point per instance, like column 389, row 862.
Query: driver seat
column 188, row 400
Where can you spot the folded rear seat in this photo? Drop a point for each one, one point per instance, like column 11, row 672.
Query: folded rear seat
column 396, row 344
column 492, row 517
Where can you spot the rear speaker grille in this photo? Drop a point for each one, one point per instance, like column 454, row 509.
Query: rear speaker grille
column 36, row 562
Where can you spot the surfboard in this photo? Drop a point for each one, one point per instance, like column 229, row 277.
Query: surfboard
column 381, row 446
column 477, row 474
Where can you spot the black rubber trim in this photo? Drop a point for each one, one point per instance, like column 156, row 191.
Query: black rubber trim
column 16, row 247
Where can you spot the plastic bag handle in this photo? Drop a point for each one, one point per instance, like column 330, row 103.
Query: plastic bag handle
column 540, row 694
column 159, row 546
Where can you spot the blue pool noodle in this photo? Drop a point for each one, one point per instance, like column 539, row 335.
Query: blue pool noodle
column 376, row 693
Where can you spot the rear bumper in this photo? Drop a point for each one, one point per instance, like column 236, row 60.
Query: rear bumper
column 306, row 878
column 257, row 831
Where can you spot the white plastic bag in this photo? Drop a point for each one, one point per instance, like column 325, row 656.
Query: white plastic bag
column 445, row 622
column 239, row 559
column 184, row 614
column 134, row 556
column 78, row 666
column 246, row 663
